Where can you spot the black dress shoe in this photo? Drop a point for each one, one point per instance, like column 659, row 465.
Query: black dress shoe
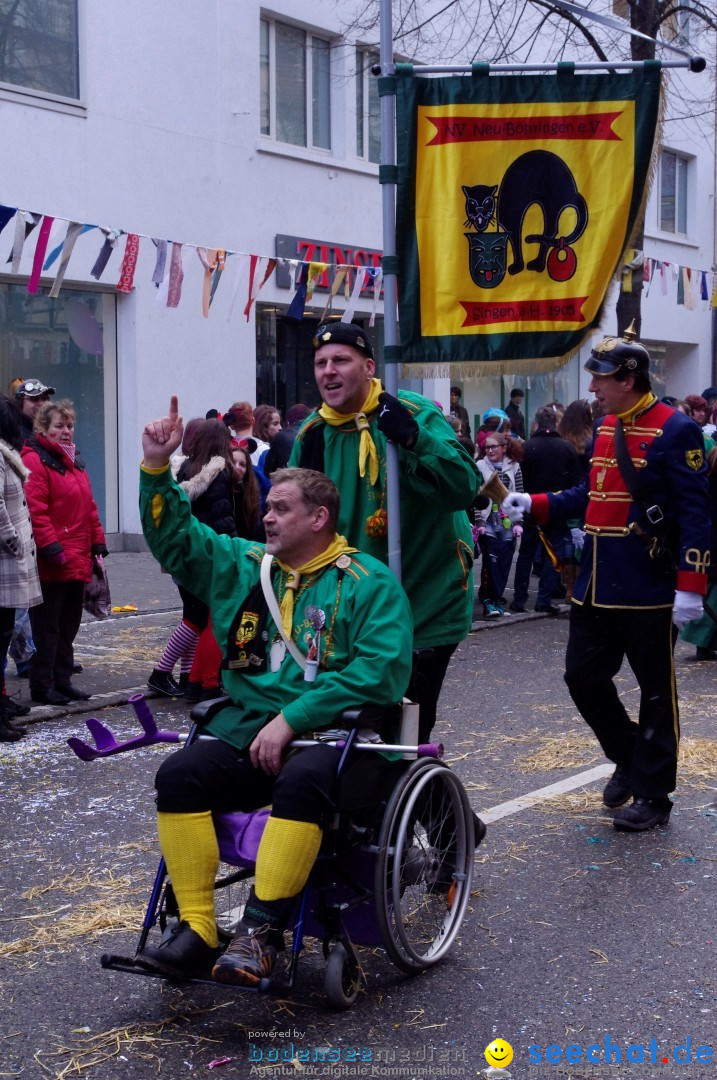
column 642, row 814
column 517, row 607
column 8, row 733
column 705, row 654
column 77, row 669
column 617, row 790
column 548, row 609
column 49, row 697
column 14, row 708
column 182, row 954
column 73, row 694
column 163, row 683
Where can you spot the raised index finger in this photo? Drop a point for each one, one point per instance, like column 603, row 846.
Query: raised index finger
column 173, row 408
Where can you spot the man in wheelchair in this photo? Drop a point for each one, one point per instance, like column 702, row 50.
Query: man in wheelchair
column 344, row 611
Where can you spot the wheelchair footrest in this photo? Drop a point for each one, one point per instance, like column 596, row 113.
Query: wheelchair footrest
column 129, row 965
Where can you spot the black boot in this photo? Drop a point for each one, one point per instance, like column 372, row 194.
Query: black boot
column 617, row 790
column 643, row 814
column 164, row 684
column 73, row 693
column 182, row 954
column 8, row 733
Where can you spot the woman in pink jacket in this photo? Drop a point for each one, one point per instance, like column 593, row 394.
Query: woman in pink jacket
column 68, row 534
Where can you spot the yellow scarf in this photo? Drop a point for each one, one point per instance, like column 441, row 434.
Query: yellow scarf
column 367, row 447
column 338, row 546
column 628, row 416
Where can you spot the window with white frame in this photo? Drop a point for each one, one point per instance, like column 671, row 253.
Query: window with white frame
column 39, row 46
column 673, row 215
column 295, row 85
column 368, row 112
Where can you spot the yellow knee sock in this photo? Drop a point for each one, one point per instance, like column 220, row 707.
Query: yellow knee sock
column 286, row 854
column 190, row 849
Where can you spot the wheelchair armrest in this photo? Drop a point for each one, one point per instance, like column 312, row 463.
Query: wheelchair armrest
column 204, row 711
column 370, row 716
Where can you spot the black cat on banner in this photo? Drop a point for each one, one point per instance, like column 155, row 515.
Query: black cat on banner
column 537, row 177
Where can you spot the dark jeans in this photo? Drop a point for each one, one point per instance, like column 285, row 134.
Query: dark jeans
column 600, row 638
column 497, row 560
column 427, row 675
column 55, row 623
column 549, row 578
column 7, row 625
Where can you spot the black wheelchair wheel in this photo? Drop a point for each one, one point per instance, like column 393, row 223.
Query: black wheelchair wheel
column 424, row 866
column 341, row 981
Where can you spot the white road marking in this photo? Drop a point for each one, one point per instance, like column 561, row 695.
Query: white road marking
column 523, row 802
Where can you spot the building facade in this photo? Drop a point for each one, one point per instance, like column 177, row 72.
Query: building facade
column 251, row 130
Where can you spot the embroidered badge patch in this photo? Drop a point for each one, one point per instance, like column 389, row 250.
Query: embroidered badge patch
column 247, row 629
column 694, row 459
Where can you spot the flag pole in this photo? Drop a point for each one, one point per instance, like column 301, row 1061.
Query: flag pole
column 387, row 177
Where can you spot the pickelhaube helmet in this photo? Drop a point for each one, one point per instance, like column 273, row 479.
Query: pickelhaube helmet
column 625, row 354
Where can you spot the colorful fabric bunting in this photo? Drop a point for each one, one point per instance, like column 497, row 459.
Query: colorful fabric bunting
column 129, row 263
column 260, row 270
column 110, row 243
column 176, row 276
column 316, row 269
column 42, row 242
column 359, row 282
column 296, row 307
column 7, row 213
column 687, row 290
column 160, row 262
column 24, row 224
column 74, row 228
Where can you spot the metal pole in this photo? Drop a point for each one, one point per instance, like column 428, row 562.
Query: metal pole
column 390, row 314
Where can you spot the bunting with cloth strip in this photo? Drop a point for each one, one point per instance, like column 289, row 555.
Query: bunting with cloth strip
column 517, row 196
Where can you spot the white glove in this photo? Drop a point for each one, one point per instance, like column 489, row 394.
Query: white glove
column 578, row 538
column 688, row 606
column 516, row 506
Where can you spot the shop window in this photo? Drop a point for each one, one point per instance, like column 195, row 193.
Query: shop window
column 39, row 46
column 295, row 85
column 368, row 113
column 69, row 343
column 673, row 210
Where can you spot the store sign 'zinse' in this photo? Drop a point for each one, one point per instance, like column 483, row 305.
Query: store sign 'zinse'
column 324, row 251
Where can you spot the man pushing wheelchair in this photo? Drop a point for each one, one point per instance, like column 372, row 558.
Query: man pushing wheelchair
column 350, row 621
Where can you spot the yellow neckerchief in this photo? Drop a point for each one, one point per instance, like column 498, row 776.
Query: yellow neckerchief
column 645, row 401
column 338, row 546
column 367, row 448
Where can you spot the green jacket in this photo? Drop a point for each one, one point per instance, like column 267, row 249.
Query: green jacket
column 438, row 482
column 365, row 646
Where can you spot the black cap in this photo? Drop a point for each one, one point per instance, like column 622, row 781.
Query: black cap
column 342, row 333
column 33, row 388
column 624, row 354
column 710, row 392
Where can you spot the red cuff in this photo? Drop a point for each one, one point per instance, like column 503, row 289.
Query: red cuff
column 690, row 581
column 540, row 508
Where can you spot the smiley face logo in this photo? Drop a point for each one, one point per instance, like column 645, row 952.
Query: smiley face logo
column 499, row 1053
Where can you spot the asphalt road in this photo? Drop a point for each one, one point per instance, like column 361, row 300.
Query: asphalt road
column 576, row 934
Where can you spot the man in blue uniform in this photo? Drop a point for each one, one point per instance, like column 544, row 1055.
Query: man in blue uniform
column 642, row 574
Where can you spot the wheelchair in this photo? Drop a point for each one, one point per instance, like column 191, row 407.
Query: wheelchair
column 398, row 877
